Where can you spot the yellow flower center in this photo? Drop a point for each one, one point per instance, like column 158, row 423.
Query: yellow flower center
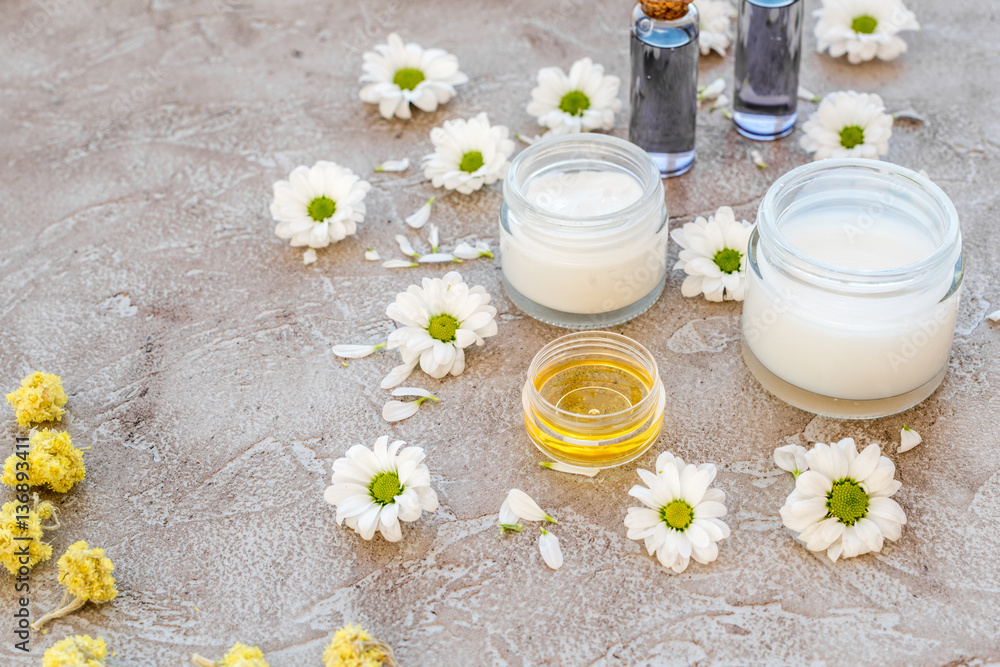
column 847, row 502
column 321, row 208
column 443, row 327
column 574, row 103
column 864, row 24
column 385, row 487
column 408, row 78
column 728, row 260
column 471, row 162
column 851, row 136
column 677, row 514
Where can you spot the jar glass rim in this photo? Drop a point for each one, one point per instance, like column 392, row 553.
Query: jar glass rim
column 596, row 338
column 949, row 245
column 597, row 145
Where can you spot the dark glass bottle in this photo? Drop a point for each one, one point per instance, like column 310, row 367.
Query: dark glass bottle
column 664, row 84
column 768, row 53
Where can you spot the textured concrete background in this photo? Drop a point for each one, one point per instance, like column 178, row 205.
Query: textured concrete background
column 139, row 142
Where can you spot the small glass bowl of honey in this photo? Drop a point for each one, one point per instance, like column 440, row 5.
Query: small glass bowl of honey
column 593, row 399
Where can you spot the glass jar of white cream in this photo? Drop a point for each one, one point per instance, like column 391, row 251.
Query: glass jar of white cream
column 855, row 272
column 583, row 231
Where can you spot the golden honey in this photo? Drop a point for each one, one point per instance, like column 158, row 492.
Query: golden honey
column 593, row 399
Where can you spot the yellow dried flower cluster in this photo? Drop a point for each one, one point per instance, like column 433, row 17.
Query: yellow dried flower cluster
column 12, row 544
column 353, row 646
column 86, row 573
column 40, row 398
column 240, row 655
column 52, row 460
column 79, row 651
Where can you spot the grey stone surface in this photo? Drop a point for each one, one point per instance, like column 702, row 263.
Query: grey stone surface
column 139, row 142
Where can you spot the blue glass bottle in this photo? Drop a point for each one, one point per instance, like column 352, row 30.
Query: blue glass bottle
column 768, row 53
column 664, row 84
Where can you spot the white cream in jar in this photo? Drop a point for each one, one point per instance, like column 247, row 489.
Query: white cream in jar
column 583, row 233
column 853, row 290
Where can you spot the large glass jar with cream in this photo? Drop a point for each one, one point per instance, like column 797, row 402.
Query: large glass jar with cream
column 583, row 231
column 853, row 288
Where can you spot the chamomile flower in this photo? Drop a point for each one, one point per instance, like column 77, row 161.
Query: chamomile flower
column 21, row 530
column 863, row 29
column 438, row 320
column 239, row 655
column 468, row 154
column 40, row 398
column 318, row 205
column 397, row 75
column 353, row 646
column 841, row 505
column 681, row 519
column 848, row 124
column 714, row 16
column 713, row 255
column 584, row 100
column 52, row 461
column 78, row 651
column 374, row 489
column 86, row 574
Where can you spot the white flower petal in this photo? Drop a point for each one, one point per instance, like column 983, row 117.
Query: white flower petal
column 437, row 258
column 791, row 458
column 372, row 255
column 908, row 439
column 548, row 545
column 309, row 256
column 418, row 219
column 395, row 411
column 994, row 316
column 572, row 470
column 405, row 247
column 355, row 351
column 433, row 237
column 399, row 264
column 523, row 506
column 394, row 165
column 413, row 391
column 508, row 517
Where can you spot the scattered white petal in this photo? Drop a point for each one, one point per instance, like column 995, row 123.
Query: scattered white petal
column 507, row 516
column 721, row 101
column 420, row 217
column 414, row 391
column 909, row 114
column 526, row 140
column 434, row 237
column 355, row 351
column 573, row 470
column 712, row 90
column 399, row 264
column 758, row 159
column 994, row 316
column 309, row 256
column 465, row 251
column 397, row 75
column 395, row 411
column 808, row 95
column 398, row 375
column 548, row 545
column 405, row 247
column 372, row 255
column 582, row 101
column 438, row 257
column 394, row 165
column 791, row 458
column 525, row 508
column 908, row 439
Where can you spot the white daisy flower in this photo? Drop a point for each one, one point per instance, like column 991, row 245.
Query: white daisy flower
column 713, row 255
column 398, row 75
column 841, row 505
column 375, row 489
column 681, row 519
column 848, row 124
column 465, row 251
column 863, row 29
column 356, row 351
column 791, row 458
column 908, row 439
column 420, row 217
column 572, row 470
column 439, row 257
column 714, row 16
column 584, row 100
column 468, row 154
column 399, row 264
column 372, row 255
column 437, row 322
column 318, row 205
column 394, row 165
column 395, row 411
column 548, row 546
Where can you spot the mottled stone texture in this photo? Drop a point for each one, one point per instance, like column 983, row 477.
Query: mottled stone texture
column 139, row 141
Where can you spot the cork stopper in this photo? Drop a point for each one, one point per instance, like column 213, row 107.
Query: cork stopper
column 665, row 10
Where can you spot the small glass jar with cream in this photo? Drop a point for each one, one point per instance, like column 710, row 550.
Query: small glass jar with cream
column 593, row 399
column 853, row 289
column 583, row 231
